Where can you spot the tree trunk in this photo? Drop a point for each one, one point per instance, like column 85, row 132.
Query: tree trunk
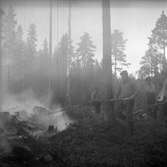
column 107, row 64
column 164, row 63
column 50, row 50
column 164, row 52
column 115, row 66
column 69, row 55
column 1, row 89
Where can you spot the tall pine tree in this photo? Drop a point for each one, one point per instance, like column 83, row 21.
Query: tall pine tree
column 85, row 51
column 85, row 54
column 9, row 31
column 150, row 63
column 9, row 42
column 31, row 51
column 44, row 59
column 19, row 54
column 60, row 68
column 159, row 37
column 118, row 51
column 31, row 40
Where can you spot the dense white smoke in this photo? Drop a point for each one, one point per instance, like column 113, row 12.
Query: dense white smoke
column 56, row 117
column 26, row 103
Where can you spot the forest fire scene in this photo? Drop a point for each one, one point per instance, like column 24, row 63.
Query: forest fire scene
column 83, row 83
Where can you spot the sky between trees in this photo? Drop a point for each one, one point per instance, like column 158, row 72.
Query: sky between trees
column 135, row 21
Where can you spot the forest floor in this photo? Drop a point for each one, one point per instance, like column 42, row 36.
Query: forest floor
column 85, row 143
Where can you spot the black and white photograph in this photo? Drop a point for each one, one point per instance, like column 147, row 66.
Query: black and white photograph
column 83, row 83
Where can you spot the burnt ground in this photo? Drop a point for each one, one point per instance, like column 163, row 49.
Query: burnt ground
column 89, row 143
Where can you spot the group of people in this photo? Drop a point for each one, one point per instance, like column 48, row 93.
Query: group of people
column 127, row 91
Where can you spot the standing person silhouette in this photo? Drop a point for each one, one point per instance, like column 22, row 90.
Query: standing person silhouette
column 150, row 91
column 126, row 94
